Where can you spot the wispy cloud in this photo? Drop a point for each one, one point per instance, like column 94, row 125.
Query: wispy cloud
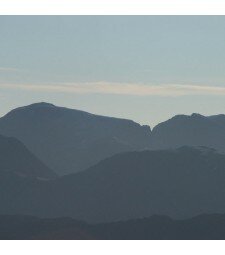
column 171, row 90
column 8, row 69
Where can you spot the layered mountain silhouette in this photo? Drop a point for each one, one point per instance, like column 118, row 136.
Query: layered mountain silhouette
column 179, row 183
column 16, row 158
column 202, row 227
column 194, row 130
column 69, row 140
column 110, row 170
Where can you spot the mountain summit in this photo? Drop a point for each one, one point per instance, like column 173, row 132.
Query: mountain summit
column 70, row 140
column 193, row 130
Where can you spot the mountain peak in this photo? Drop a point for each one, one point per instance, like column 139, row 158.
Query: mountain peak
column 41, row 104
column 31, row 107
column 194, row 115
column 197, row 115
column 70, row 140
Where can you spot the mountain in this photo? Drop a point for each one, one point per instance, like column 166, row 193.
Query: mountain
column 202, row 227
column 194, row 130
column 16, row 158
column 69, row 140
column 180, row 183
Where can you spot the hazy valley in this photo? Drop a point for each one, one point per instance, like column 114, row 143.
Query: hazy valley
column 60, row 162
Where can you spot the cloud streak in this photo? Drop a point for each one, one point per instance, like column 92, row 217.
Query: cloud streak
column 8, row 69
column 132, row 89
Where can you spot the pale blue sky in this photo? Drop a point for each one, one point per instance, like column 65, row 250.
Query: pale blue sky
column 146, row 68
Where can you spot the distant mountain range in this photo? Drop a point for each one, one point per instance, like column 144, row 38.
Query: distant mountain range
column 180, row 183
column 59, row 162
column 202, row 227
column 194, row 130
column 69, row 141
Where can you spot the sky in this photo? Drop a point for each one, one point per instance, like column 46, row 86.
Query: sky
column 144, row 68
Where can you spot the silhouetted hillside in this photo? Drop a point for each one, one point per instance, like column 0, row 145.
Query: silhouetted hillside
column 202, row 227
column 180, row 183
column 16, row 158
column 194, row 130
column 70, row 140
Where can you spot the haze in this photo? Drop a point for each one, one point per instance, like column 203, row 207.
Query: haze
column 147, row 68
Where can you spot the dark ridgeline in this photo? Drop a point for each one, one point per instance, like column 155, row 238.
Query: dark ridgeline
column 70, row 140
column 202, row 227
column 194, row 130
column 119, row 171
column 180, row 183
column 16, row 158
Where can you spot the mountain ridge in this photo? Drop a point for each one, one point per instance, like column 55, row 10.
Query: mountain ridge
column 70, row 140
column 15, row 157
column 180, row 183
